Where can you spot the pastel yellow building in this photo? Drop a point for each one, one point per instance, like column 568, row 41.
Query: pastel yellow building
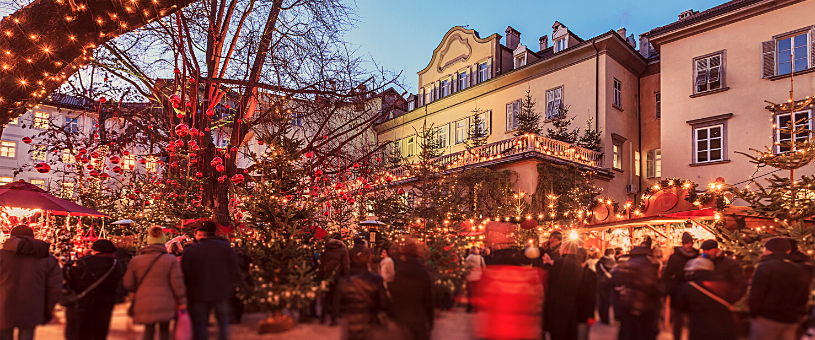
column 596, row 78
column 717, row 68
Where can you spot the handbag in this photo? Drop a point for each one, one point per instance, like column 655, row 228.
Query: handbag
column 70, row 298
column 384, row 328
column 183, row 326
column 138, row 283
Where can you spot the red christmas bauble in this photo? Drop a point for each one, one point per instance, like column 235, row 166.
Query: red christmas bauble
column 210, row 112
column 114, row 159
column 356, row 165
column 237, row 179
column 221, row 179
column 126, row 153
column 103, row 100
column 220, row 168
column 194, row 132
column 260, row 142
column 117, row 170
column 309, row 154
column 94, row 154
column 175, row 99
column 216, row 161
column 142, row 161
column 318, row 172
column 81, row 151
column 182, row 130
column 27, row 140
column 42, row 168
column 199, row 174
column 193, row 145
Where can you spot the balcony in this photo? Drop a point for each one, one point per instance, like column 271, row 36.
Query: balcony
column 515, row 149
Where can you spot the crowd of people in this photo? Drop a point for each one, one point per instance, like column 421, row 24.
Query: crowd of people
column 565, row 288
column 555, row 291
column 197, row 278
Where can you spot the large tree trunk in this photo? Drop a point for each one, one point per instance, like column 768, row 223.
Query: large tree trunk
column 47, row 41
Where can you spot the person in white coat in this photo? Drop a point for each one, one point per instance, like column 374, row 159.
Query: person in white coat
column 474, row 264
column 386, row 266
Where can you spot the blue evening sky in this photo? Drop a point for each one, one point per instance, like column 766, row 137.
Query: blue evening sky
column 401, row 35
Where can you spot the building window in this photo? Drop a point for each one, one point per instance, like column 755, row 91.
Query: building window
column 520, row 61
column 554, row 102
column 12, row 121
column 38, row 153
column 428, row 95
column 792, row 52
column 296, row 119
column 617, row 158
column 709, row 73
column 411, row 105
column 6, row 179
column 784, row 141
column 560, row 45
column 658, row 105
column 483, row 72
column 8, row 149
column 513, row 109
column 67, row 156
column 618, row 94
column 445, row 88
column 483, row 126
column 461, row 131
column 67, row 190
column 410, row 146
column 41, row 120
column 442, row 136
column 129, row 162
column 462, row 81
column 636, row 163
column 72, row 124
column 709, row 143
column 653, row 166
column 151, row 164
column 40, row 183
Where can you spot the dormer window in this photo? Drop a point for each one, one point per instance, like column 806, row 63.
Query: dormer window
column 560, row 45
column 520, row 60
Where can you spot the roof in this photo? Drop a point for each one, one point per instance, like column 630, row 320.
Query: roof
column 701, row 16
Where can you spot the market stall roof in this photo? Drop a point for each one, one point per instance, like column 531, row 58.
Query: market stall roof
column 29, row 196
column 632, row 223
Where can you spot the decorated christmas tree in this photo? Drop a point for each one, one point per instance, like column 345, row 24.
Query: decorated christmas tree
column 561, row 123
column 591, row 138
column 478, row 130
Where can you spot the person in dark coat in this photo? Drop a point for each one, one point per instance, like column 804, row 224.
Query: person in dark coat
column 550, row 251
column 334, row 264
column 360, row 297
column 778, row 293
column 412, row 293
column 805, row 263
column 603, row 270
column 639, row 289
column 211, row 274
column 30, row 284
column 586, row 295
column 89, row 319
column 560, row 304
column 673, row 276
column 700, row 297
column 727, row 270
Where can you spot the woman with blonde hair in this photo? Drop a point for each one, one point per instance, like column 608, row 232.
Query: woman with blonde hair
column 156, row 278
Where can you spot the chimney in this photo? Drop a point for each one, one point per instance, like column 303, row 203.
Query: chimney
column 544, row 42
column 687, row 14
column 645, row 47
column 631, row 40
column 513, row 38
column 621, row 32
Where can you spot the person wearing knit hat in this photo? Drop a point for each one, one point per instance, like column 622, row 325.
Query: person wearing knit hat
column 701, row 299
column 778, row 293
column 726, row 270
column 22, row 230
column 155, row 235
column 673, row 276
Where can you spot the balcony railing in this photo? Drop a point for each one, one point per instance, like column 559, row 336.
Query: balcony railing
column 532, row 144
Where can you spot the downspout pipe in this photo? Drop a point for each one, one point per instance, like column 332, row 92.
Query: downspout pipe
column 596, row 86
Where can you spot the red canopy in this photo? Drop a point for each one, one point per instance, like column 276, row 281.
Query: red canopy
column 708, row 212
column 29, row 196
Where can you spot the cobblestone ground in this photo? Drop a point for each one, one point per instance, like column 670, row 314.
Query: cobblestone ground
column 454, row 325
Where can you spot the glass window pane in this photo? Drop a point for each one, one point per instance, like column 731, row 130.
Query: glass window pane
column 701, row 134
column 801, row 64
column 715, row 155
column 801, row 40
column 784, row 45
column 701, row 156
column 715, row 132
column 784, row 68
column 701, row 145
column 716, row 143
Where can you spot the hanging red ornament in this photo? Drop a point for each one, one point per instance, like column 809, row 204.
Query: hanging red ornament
column 188, row 104
column 175, row 106
column 114, row 159
column 81, row 151
column 182, row 130
column 389, row 179
column 194, row 132
column 326, row 213
column 351, row 200
column 221, row 179
column 356, row 165
column 216, row 161
column 233, row 149
column 146, row 203
column 179, row 143
column 193, row 145
column 174, row 164
column 260, row 142
column 94, row 154
column 210, row 112
column 289, row 197
column 240, row 120
column 117, row 170
column 103, row 100
column 175, row 99
column 199, row 174
column 131, row 196
column 90, row 167
column 309, row 154
column 42, row 168
column 367, row 187
column 142, row 161
column 206, row 129
column 94, row 173
column 318, row 172
column 237, row 179
column 126, row 153
column 27, row 140
column 220, row 168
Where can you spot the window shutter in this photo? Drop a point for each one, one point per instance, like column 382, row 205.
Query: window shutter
column 510, row 121
column 650, row 164
column 701, row 72
column 812, row 48
column 558, row 94
column 489, row 69
column 715, row 66
column 768, row 57
column 516, row 110
column 488, row 121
